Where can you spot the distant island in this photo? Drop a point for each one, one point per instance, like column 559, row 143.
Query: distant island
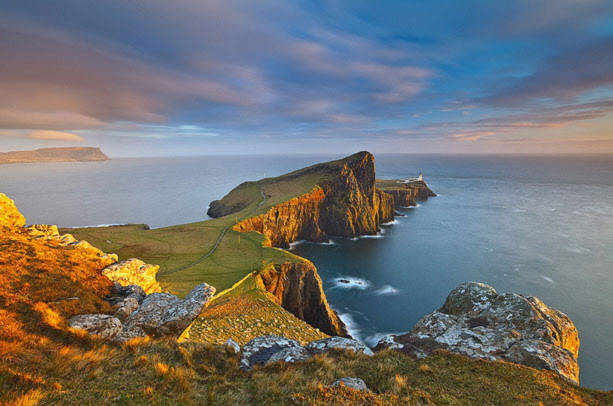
column 66, row 154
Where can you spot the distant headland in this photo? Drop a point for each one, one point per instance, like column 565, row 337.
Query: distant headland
column 66, row 154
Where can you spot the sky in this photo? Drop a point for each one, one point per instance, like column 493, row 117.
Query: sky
column 199, row 77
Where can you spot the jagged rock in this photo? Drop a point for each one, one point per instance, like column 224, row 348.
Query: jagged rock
column 125, row 308
column 478, row 322
column 101, row 325
column 134, row 272
column 119, row 293
column 163, row 314
column 67, row 239
column 290, row 354
column 9, row 215
column 259, row 350
column 232, row 346
column 339, row 343
column 351, row 382
column 43, row 231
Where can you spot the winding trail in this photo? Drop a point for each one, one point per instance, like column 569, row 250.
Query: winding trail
column 212, row 250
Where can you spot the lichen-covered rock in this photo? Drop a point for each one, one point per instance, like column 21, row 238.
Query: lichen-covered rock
column 101, row 325
column 125, row 308
column 119, row 293
column 259, row 350
column 9, row 215
column 478, row 322
column 290, row 355
column 134, row 272
column 163, row 314
column 338, row 343
column 351, row 382
column 43, row 231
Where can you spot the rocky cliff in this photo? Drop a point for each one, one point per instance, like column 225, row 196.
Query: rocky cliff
column 347, row 204
column 298, row 288
column 405, row 193
column 478, row 322
column 9, row 215
column 68, row 154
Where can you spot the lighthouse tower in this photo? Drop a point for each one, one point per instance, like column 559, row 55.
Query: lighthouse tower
column 421, row 176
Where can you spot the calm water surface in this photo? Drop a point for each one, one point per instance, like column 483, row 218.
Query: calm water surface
column 540, row 226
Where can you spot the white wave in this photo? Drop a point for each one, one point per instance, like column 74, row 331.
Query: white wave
column 295, row 243
column 386, row 290
column 352, row 326
column 350, row 282
column 390, row 223
column 329, row 242
column 547, row 278
column 378, row 235
column 373, row 339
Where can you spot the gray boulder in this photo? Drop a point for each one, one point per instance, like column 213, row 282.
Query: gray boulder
column 259, row 350
column 290, row 354
column 339, row 343
column 125, row 308
column 100, row 325
column 351, row 382
column 163, row 314
column 478, row 322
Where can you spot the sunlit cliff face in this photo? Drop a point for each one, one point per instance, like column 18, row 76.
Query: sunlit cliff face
column 244, row 77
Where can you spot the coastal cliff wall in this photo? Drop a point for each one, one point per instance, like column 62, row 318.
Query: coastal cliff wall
column 298, row 288
column 406, row 194
column 348, row 205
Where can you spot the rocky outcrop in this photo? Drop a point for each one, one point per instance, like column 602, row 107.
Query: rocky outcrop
column 298, row 288
column 405, row 193
column 338, row 343
column 268, row 349
column 134, row 272
column 347, row 204
column 164, row 314
column 351, row 382
column 99, row 325
column 9, row 215
column 259, row 350
column 478, row 322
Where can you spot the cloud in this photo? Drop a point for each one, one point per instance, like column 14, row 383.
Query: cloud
column 55, row 136
column 537, row 119
column 562, row 78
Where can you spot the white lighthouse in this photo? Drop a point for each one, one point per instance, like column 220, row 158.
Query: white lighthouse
column 421, row 176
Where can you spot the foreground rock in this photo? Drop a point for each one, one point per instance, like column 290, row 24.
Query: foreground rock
column 9, row 215
column 478, row 322
column 134, row 272
column 270, row 349
column 259, row 350
column 338, row 343
column 164, row 314
column 350, row 382
column 100, row 325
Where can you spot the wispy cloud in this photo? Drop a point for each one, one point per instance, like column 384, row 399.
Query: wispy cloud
column 55, row 136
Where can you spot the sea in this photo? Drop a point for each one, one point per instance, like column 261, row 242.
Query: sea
column 535, row 225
